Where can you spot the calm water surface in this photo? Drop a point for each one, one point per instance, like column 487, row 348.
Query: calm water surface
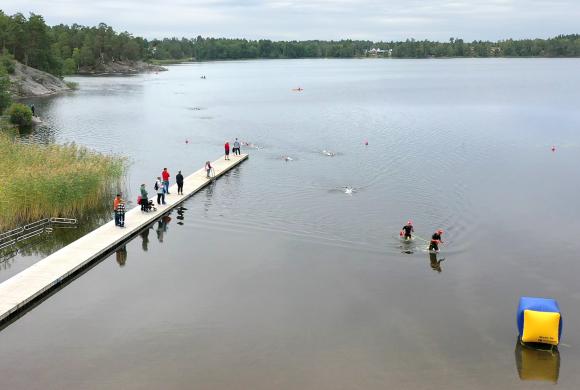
column 274, row 278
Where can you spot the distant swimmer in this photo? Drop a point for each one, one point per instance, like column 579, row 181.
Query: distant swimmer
column 287, row 158
column 299, row 89
column 328, row 153
column 348, row 190
column 250, row 145
column 407, row 230
column 436, row 240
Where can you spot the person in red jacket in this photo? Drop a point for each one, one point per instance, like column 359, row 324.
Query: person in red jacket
column 227, row 150
column 165, row 175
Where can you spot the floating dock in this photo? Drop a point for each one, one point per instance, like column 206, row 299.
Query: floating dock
column 19, row 291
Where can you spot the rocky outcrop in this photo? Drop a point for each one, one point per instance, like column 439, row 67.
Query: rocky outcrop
column 30, row 82
column 121, row 67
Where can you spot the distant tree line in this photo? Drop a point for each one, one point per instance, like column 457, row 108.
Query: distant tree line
column 64, row 49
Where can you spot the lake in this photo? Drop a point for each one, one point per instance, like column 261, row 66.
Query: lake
column 275, row 277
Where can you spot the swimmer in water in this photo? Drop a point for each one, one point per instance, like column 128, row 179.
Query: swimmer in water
column 348, row 190
column 328, row 153
column 287, row 158
column 436, row 240
column 407, row 230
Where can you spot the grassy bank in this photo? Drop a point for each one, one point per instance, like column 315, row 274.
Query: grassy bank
column 38, row 181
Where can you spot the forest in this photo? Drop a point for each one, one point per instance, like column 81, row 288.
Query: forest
column 64, row 49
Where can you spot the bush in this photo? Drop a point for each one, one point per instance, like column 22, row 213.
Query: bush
column 19, row 114
column 72, row 85
column 7, row 62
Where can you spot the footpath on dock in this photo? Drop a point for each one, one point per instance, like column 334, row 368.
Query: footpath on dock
column 23, row 288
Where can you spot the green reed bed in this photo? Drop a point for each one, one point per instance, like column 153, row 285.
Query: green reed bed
column 38, row 181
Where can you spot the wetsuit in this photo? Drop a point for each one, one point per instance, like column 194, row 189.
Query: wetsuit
column 408, row 229
column 435, row 240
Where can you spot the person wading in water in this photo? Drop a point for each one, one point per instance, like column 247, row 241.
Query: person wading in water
column 436, row 240
column 407, row 230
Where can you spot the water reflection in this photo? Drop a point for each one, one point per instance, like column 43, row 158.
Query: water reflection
column 435, row 262
column 121, row 256
column 209, row 194
column 537, row 364
column 145, row 239
column 180, row 214
column 162, row 227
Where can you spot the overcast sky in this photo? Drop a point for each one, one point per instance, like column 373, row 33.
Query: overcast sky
column 316, row 19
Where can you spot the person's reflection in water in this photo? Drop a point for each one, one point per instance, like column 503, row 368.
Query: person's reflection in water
column 435, row 263
column 209, row 195
column 121, row 256
column 537, row 364
column 181, row 215
column 162, row 227
column 145, row 236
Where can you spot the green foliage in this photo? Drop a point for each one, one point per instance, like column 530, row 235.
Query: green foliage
column 69, row 67
column 72, row 85
column 67, row 49
column 7, row 62
column 19, row 114
column 53, row 181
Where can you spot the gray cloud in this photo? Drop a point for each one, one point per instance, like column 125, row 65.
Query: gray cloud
column 317, row 19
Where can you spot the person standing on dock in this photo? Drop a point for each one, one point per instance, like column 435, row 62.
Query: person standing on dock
column 160, row 188
column 236, row 149
column 227, row 150
column 208, row 169
column 144, row 198
column 119, row 209
column 165, row 174
column 179, row 181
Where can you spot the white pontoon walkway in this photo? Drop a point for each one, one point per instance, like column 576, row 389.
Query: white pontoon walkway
column 21, row 289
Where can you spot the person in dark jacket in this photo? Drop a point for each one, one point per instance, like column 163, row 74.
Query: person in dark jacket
column 179, row 181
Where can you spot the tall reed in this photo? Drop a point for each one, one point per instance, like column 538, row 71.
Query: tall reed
column 38, row 181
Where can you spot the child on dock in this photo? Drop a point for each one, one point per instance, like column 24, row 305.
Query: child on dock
column 119, row 209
